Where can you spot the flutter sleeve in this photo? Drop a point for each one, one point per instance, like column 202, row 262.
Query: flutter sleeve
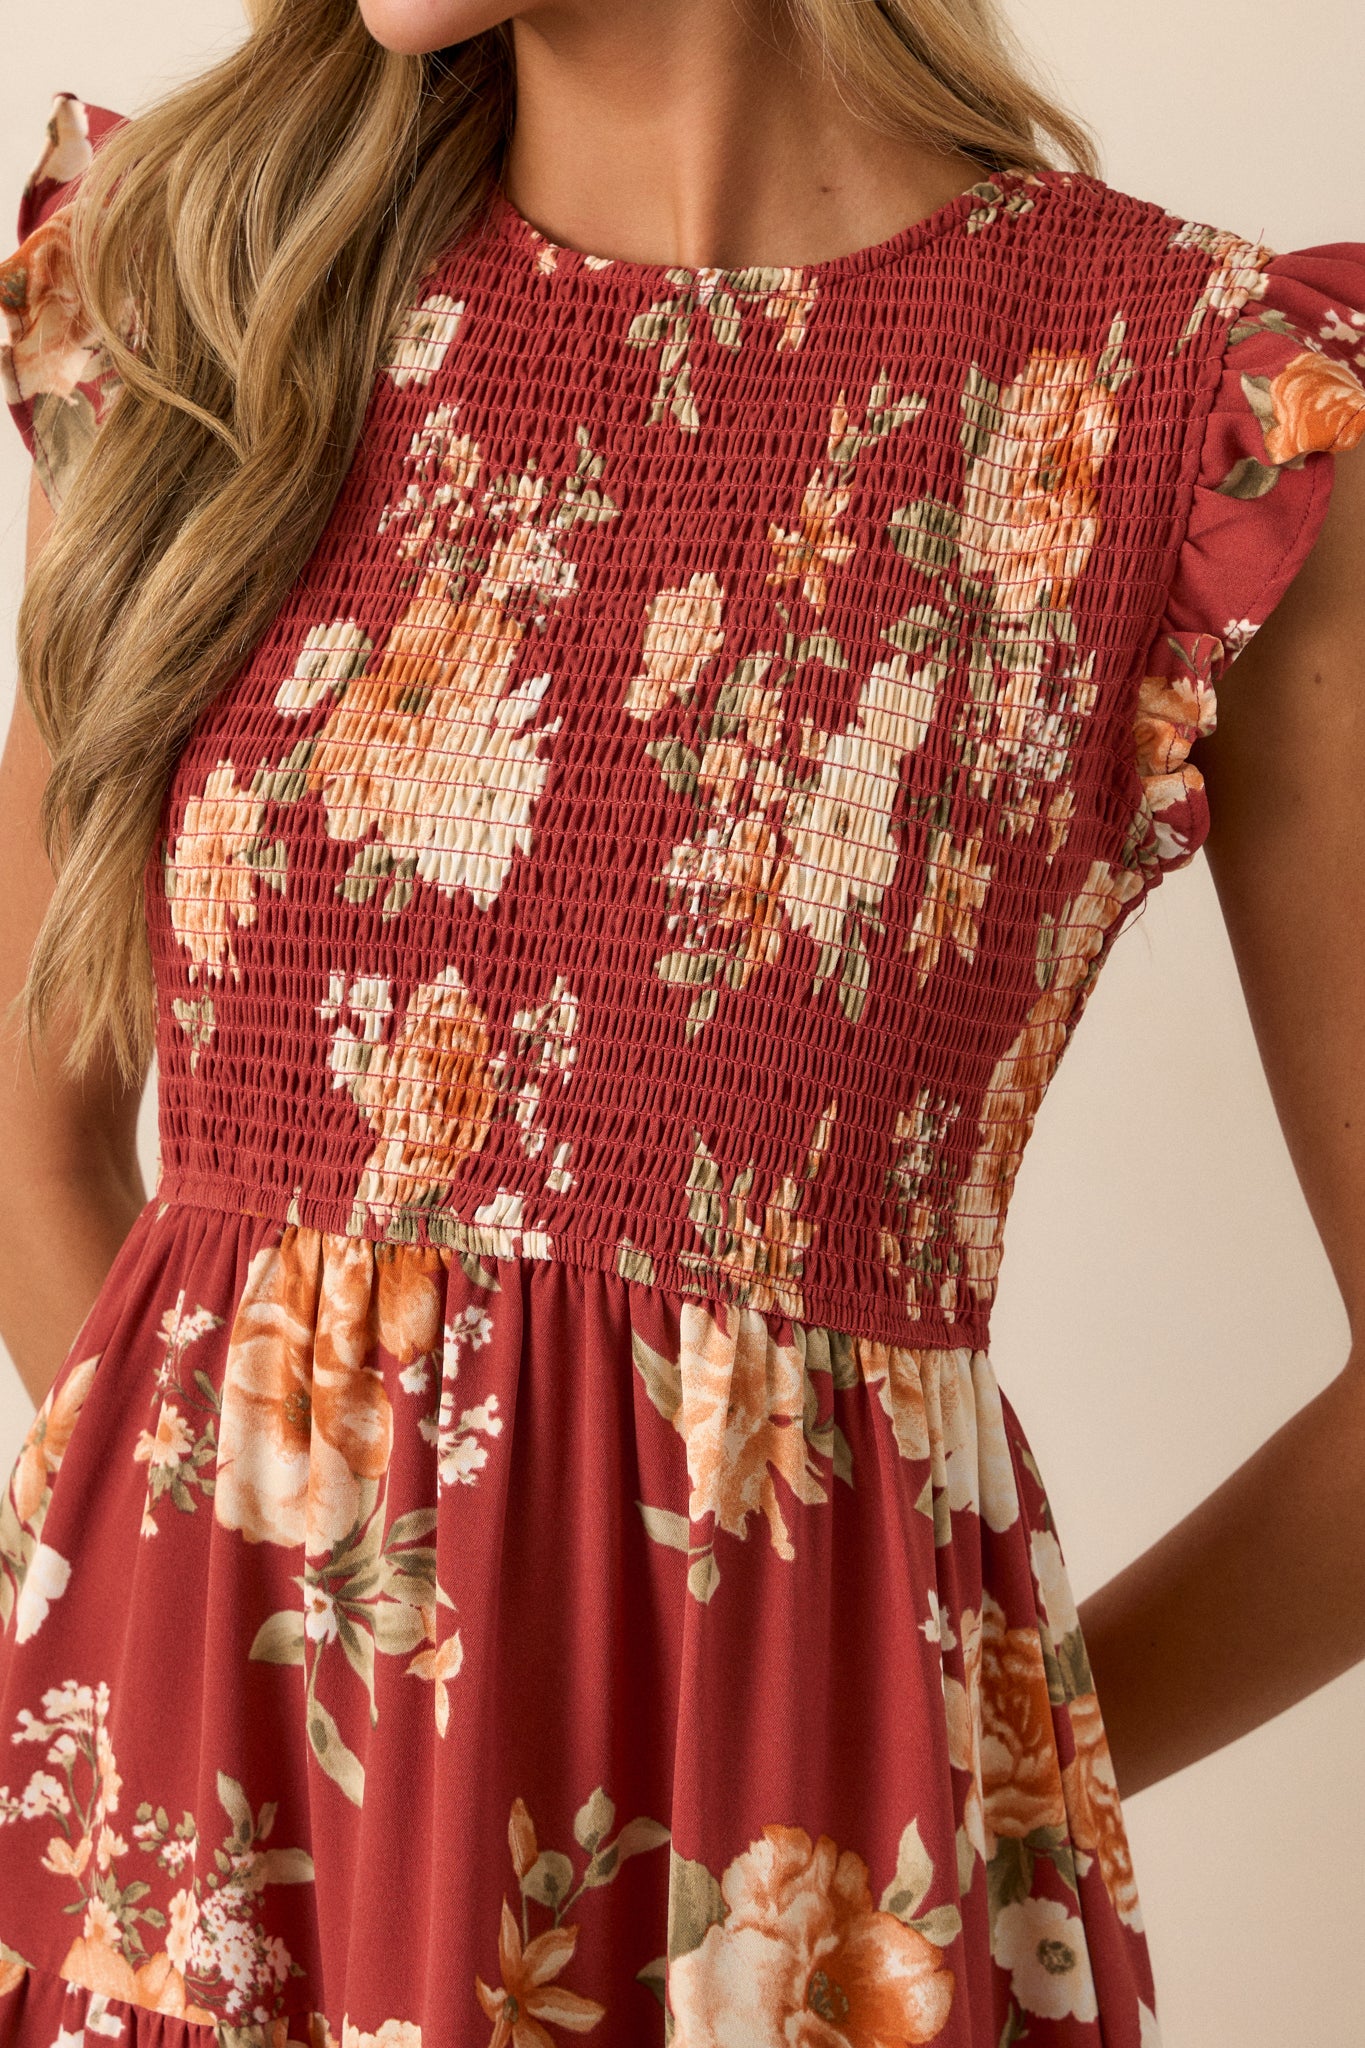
column 1289, row 397
column 56, row 375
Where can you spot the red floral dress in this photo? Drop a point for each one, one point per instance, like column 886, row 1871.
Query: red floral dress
column 528, row 1542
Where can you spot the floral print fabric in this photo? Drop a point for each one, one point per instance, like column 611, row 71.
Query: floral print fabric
column 529, row 1541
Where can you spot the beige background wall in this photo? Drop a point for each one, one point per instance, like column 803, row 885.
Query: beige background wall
column 1164, row 1302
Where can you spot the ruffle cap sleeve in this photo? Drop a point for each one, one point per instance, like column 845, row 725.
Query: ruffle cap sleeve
column 56, row 376
column 1289, row 395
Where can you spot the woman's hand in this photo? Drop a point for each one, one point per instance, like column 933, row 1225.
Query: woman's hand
column 70, row 1187
column 1258, row 1597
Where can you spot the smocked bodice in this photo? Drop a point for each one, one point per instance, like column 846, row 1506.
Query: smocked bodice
column 668, row 824
column 674, row 822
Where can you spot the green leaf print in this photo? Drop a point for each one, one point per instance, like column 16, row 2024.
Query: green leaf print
column 703, row 1576
column 674, row 1531
column 341, row 1764
column 593, row 1820
column 695, row 1903
column 550, row 1879
column 279, row 1639
column 1009, row 1873
column 662, row 1376
column 655, row 1976
column 909, row 1888
column 1249, row 478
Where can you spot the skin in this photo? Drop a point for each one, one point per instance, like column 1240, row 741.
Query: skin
column 71, row 1186
column 672, row 131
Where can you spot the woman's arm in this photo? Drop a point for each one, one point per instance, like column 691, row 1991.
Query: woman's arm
column 1258, row 1596
column 70, row 1187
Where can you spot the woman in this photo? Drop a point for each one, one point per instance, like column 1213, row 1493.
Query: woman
column 611, row 663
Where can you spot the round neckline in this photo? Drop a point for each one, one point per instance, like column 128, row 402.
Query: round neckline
column 509, row 224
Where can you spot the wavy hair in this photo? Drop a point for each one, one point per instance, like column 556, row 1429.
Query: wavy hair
column 269, row 220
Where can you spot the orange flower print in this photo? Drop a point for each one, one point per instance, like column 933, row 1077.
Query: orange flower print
column 306, row 1424
column 682, row 631
column 956, row 881
column 49, row 1433
column 393, row 2034
column 431, row 755
column 1094, row 1812
column 213, row 868
column 1172, row 712
column 426, row 1090
column 451, row 787
column 740, row 1416
column 817, row 545
column 945, row 1406
column 442, row 1661
column 791, row 301
column 528, row 2000
column 1000, row 1729
column 804, row 1955
column 1314, row 403
column 1030, row 501
column 51, row 346
column 1068, row 945
column 528, row 1997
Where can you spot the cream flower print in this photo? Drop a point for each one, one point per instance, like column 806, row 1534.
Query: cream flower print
column 1237, row 274
column 1054, row 1584
column 212, row 1961
column 329, row 656
column 957, row 879
column 423, row 1083
column 798, row 1950
column 23, row 1509
column 682, row 631
column 793, row 829
column 52, row 358
column 1044, row 1949
column 424, row 336
column 1030, row 513
column 793, row 834
column 214, row 866
column 944, row 1406
column 181, row 1451
column 392, row 2034
column 45, row 1580
column 915, row 1243
column 434, row 755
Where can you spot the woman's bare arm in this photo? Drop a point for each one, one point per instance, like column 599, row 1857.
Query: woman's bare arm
column 71, row 1187
column 1257, row 1597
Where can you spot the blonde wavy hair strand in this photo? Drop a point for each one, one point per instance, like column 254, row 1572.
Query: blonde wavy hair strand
column 269, row 221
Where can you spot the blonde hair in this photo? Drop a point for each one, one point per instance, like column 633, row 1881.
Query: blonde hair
column 268, row 221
